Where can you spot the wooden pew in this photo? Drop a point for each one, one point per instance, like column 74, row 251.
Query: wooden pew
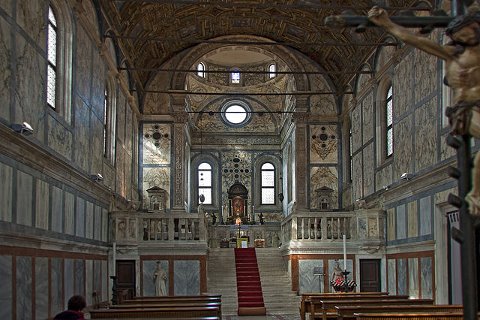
column 326, row 308
column 201, row 298
column 305, row 302
column 178, row 312
column 347, row 312
column 410, row 316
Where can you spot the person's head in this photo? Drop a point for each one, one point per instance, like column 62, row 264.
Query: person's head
column 465, row 29
column 77, row 303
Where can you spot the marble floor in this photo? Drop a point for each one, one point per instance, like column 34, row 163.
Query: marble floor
column 267, row 317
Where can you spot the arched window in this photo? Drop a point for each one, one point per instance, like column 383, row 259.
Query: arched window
column 52, row 59
column 389, row 122
column 235, row 76
column 272, row 71
column 267, row 184
column 109, row 114
column 205, row 182
column 201, row 70
column 350, row 153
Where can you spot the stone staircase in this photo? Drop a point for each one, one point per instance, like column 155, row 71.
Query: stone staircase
column 276, row 286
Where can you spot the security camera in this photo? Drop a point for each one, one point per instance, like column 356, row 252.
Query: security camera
column 23, row 128
column 97, row 177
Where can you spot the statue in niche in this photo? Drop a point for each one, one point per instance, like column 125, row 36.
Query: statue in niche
column 462, row 65
column 160, row 279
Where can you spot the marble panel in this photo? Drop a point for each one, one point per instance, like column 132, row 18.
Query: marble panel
column 31, row 18
column 159, row 177
column 68, row 280
column 97, row 226
column 403, row 139
column 413, row 288
column 89, row 281
column 425, row 75
column 96, row 144
column 56, row 279
column 403, row 87
column 149, row 267
column 186, row 277
column 80, row 217
column 425, row 216
column 307, row 281
column 412, row 219
column 357, row 176
column 6, row 192
column 321, row 177
column 98, row 85
column 105, row 280
column 59, row 138
column 82, row 129
column 89, row 220
column 5, row 66
column 402, row 276
column 57, row 209
column 104, row 225
column 368, row 116
column 129, row 134
column 24, row 198
column 30, row 88
column 69, row 226
column 362, row 228
column 79, row 277
column 369, row 169
column 97, row 276
column 128, row 174
column 83, row 60
column 24, row 287
column 41, row 288
column 391, row 235
column 6, row 5
column 120, row 173
column 401, row 222
column 6, row 292
column 356, row 121
column 426, row 274
column 392, row 277
column 322, row 104
column 42, row 204
column 383, row 177
column 425, row 135
column 156, row 143
column 121, row 115
column 323, row 144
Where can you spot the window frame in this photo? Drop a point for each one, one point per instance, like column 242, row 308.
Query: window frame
column 233, row 71
column 272, row 73
column 201, row 71
column 203, row 187
column 388, row 105
column 263, row 187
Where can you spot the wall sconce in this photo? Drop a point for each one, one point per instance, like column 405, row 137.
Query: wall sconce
column 23, row 128
column 406, row 176
column 97, row 177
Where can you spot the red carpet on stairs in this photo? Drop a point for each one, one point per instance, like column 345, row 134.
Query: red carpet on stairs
column 249, row 287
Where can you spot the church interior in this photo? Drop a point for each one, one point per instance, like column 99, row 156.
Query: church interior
column 145, row 135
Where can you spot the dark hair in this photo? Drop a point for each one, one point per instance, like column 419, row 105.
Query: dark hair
column 77, row 303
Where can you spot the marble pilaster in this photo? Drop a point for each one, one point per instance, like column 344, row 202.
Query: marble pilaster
column 6, row 193
column 187, row 277
column 301, row 165
column 24, row 198
column 6, row 292
column 179, row 196
column 41, row 288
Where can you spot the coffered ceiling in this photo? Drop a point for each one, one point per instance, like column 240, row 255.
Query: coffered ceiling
column 149, row 33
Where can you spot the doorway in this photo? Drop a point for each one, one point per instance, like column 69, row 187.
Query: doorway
column 126, row 277
column 370, row 275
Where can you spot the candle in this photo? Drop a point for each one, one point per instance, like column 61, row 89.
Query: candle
column 344, row 253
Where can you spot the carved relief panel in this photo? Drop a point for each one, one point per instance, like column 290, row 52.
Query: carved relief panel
column 156, row 143
column 323, row 144
column 323, row 188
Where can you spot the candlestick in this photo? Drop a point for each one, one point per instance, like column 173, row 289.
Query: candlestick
column 344, row 253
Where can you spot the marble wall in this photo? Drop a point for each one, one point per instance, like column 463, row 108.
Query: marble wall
column 310, row 281
column 186, row 277
column 411, row 275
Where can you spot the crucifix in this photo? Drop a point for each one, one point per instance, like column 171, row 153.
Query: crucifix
column 462, row 65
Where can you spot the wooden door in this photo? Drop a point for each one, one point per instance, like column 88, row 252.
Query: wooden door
column 126, row 277
column 370, row 275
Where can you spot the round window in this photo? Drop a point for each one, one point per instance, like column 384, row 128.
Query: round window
column 236, row 113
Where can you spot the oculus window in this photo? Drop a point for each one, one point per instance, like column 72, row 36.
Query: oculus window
column 236, row 113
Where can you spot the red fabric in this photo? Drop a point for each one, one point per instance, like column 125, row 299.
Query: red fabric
column 249, row 286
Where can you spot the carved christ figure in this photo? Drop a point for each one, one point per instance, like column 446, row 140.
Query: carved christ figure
column 462, row 65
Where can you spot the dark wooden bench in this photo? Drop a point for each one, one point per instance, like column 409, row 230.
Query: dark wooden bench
column 410, row 316
column 305, row 302
column 178, row 312
column 325, row 309
column 347, row 312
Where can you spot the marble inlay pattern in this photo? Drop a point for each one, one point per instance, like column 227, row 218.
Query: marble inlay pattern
column 42, row 205
column 391, row 224
column 392, row 278
column 56, row 277
column 41, row 287
column 187, row 277
column 413, row 288
column 30, row 17
column 402, row 137
column 59, row 138
column 426, row 277
column 24, row 198
column 80, row 218
column 412, row 219
column 402, row 87
column 6, row 192
column 89, row 221
column 236, row 171
column 24, row 287
column 6, row 292
column 356, row 122
column 82, row 130
column 369, row 169
column 83, row 61
column 357, row 176
column 425, row 216
column 425, row 75
column 57, row 209
column 323, row 144
column 159, row 177
column 68, row 280
column 149, row 267
column 323, row 177
column 69, row 224
column 425, row 135
column 401, row 222
column 368, row 126
column 402, row 276
column 307, row 280
column 6, row 74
